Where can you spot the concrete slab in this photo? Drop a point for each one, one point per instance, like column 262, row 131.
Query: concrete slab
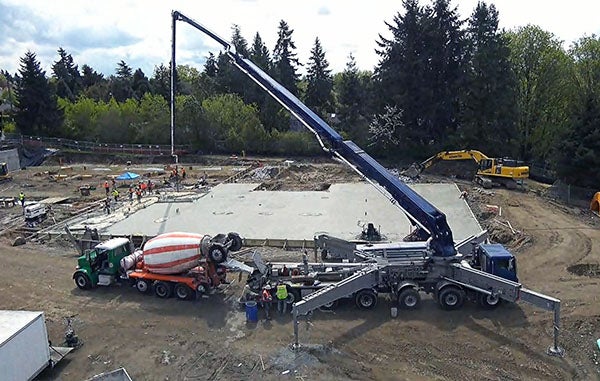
column 341, row 211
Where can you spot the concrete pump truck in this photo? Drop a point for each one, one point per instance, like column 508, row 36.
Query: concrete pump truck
column 435, row 264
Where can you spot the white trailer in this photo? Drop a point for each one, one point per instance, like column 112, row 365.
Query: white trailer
column 24, row 347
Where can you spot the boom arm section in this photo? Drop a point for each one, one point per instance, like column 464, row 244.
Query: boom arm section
column 453, row 155
column 419, row 210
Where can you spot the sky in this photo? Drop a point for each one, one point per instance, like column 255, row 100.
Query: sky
column 102, row 33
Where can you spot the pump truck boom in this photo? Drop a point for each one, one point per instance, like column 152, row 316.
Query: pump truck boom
column 488, row 273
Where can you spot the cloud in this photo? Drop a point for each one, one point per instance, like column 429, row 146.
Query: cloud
column 324, row 11
column 86, row 38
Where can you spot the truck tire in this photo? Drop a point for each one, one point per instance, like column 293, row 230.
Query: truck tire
column 451, row 298
column 236, row 241
column 293, row 295
column 183, row 292
column 217, row 253
column 409, row 299
column 163, row 289
column 142, row 286
column 82, row 281
column 366, row 299
column 488, row 302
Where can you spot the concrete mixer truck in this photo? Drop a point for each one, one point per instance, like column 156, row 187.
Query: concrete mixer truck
column 177, row 263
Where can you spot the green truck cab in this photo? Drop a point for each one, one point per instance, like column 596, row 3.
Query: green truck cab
column 99, row 266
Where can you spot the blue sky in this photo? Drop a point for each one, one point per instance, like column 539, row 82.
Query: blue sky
column 101, row 33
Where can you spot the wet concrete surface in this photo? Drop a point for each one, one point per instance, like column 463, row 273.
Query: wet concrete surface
column 341, row 211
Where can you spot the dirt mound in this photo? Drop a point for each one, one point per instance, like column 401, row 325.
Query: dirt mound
column 585, row 269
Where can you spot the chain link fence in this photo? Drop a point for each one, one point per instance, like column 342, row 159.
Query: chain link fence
column 87, row 146
column 571, row 194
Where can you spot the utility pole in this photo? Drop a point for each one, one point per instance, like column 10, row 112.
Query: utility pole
column 173, row 70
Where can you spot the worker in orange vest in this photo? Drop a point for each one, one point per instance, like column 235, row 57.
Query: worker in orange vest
column 106, row 187
column 266, row 299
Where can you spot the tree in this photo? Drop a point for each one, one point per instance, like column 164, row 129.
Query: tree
column 578, row 159
column 320, row 83
column 578, row 146
column 489, row 107
column 267, row 106
column 285, row 62
column 160, row 83
column 68, row 80
column 140, row 84
column 38, row 112
column 421, row 72
column 90, row 77
column 232, row 125
column 121, row 84
column 543, row 75
column 353, row 90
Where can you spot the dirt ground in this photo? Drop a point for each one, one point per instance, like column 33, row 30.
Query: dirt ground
column 209, row 339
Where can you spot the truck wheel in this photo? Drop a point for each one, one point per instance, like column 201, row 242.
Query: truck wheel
column 236, row 241
column 409, row 299
column 451, row 298
column 293, row 295
column 183, row 292
column 82, row 281
column 366, row 299
column 142, row 286
column 163, row 289
column 488, row 302
column 217, row 253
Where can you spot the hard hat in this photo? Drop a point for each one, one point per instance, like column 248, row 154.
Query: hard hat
column 267, row 286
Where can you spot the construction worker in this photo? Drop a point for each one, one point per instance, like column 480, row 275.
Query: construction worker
column 183, row 173
column 106, row 187
column 107, row 205
column 116, row 194
column 282, row 295
column 266, row 299
column 130, row 193
column 138, row 193
column 22, row 199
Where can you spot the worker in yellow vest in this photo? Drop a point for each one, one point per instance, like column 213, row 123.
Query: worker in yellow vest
column 282, row 295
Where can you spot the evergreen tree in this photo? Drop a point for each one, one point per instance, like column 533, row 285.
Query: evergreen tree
column 210, row 66
column 229, row 78
column 578, row 159
column 140, row 84
column 94, row 85
column 160, row 83
column 320, row 83
column 445, row 41
column 402, row 75
column 268, row 108
column 121, row 84
column 285, row 62
column 353, row 88
column 489, row 116
column 259, row 53
column 38, row 112
column 421, row 72
column 68, row 79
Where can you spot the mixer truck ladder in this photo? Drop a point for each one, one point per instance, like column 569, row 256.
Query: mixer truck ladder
column 367, row 278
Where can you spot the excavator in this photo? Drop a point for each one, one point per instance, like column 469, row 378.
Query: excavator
column 490, row 171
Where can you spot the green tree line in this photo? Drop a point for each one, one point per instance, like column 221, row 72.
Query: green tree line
column 442, row 82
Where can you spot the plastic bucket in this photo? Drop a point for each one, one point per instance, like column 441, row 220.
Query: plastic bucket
column 251, row 311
